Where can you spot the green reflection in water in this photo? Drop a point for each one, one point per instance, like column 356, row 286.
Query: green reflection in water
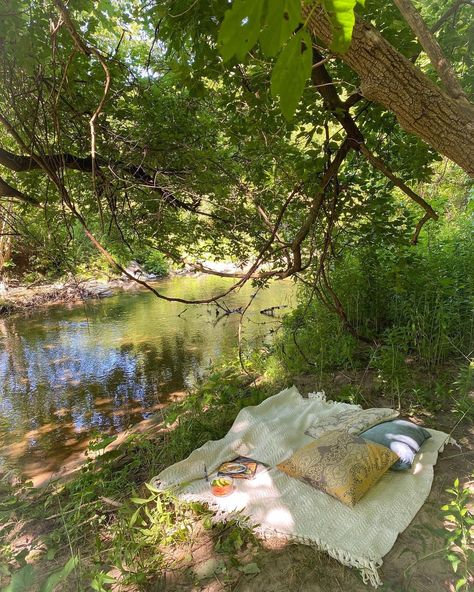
column 68, row 371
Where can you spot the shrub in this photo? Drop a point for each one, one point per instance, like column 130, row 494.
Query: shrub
column 415, row 301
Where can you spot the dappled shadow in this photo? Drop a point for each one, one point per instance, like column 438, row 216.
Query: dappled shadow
column 68, row 374
column 214, row 560
column 415, row 563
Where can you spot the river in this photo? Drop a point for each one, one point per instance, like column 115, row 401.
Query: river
column 69, row 373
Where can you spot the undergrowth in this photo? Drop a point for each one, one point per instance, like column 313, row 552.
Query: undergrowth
column 108, row 524
column 412, row 306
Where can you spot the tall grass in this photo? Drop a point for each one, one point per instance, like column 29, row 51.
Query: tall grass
column 416, row 302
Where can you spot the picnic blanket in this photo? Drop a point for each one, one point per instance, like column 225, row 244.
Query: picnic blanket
column 277, row 505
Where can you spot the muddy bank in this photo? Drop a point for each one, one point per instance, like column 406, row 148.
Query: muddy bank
column 25, row 297
column 17, row 298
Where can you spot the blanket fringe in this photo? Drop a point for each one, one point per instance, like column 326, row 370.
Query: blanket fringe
column 319, row 396
column 367, row 565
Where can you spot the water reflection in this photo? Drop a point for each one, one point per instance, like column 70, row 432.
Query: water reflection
column 104, row 366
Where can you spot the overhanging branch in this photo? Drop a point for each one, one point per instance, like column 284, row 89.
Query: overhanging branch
column 390, row 79
column 432, row 48
column 7, row 190
column 323, row 82
column 56, row 162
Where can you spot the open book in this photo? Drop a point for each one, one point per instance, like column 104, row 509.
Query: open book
column 238, row 468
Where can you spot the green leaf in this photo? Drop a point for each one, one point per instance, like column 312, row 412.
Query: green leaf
column 291, row 72
column 342, row 17
column 100, row 579
column 59, row 575
column 134, row 517
column 152, row 488
column 102, row 443
column 450, row 517
column 51, row 554
column 281, row 19
column 240, row 28
column 250, row 568
column 141, row 500
column 21, row 580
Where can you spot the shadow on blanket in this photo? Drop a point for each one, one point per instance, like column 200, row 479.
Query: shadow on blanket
column 277, row 505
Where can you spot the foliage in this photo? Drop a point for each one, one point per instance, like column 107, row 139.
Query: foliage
column 192, row 159
column 280, row 28
column 414, row 302
column 459, row 540
column 152, row 261
column 278, row 25
column 193, row 156
column 110, row 518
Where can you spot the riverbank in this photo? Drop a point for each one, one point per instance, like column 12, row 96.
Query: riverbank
column 17, row 297
column 118, row 534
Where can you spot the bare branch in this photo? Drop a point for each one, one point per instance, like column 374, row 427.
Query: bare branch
column 450, row 12
column 23, row 164
column 418, row 228
column 7, row 190
column 432, row 48
column 322, row 80
column 379, row 164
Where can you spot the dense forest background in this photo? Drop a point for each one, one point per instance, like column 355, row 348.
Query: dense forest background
column 297, row 141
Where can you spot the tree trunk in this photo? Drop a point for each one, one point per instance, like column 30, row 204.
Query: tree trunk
column 5, row 239
column 388, row 78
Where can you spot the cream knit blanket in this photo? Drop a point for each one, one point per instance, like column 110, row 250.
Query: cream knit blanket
column 278, row 505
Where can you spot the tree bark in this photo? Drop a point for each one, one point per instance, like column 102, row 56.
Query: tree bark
column 432, row 48
column 388, row 78
column 7, row 190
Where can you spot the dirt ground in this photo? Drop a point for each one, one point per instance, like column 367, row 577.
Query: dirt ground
column 416, row 562
column 208, row 562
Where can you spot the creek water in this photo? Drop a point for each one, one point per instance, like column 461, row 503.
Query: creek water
column 68, row 373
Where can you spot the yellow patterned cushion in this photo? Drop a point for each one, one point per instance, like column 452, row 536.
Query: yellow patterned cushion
column 340, row 464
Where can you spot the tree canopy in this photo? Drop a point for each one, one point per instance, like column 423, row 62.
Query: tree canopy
column 272, row 133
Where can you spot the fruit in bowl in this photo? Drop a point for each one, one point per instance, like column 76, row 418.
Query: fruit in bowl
column 222, row 486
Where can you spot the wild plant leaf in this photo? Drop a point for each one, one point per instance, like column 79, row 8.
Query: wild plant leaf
column 240, row 28
column 450, row 517
column 250, row 568
column 51, row 554
column 95, row 446
column 100, row 579
column 152, row 488
column 342, row 16
column 281, row 19
column 291, row 72
column 21, row 580
column 59, row 575
column 134, row 517
column 140, row 500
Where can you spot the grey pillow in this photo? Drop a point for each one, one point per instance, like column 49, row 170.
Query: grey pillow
column 402, row 437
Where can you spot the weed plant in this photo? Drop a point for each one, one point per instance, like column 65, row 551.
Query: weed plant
column 415, row 303
column 107, row 524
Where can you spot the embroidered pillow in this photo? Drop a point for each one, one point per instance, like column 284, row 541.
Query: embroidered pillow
column 402, row 437
column 340, row 464
column 354, row 421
